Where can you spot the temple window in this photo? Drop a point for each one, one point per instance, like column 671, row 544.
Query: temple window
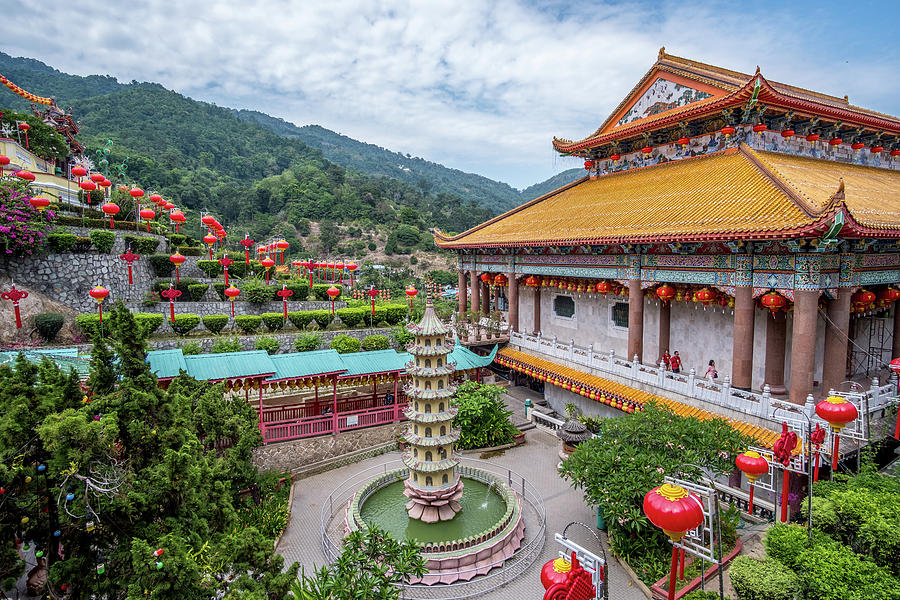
column 428, row 455
column 443, row 454
column 417, row 361
column 427, row 408
column 618, row 314
column 428, row 480
column 440, row 384
column 427, row 385
column 441, row 407
column 428, row 432
column 416, row 427
column 415, row 476
column 427, row 343
column 417, row 406
column 416, row 452
column 444, row 478
column 440, row 362
column 564, row 306
column 443, row 430
column 439, row 342
column 427, row 363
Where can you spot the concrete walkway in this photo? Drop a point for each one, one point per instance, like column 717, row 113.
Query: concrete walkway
column 536, row 460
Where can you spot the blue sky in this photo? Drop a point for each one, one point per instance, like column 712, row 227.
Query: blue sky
column 478, row 86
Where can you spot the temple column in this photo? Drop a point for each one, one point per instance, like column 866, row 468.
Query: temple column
column 513, row 315
column 474, row 282
column 803, row 344
column 665, row 319
column 485, row 299
column 776, row 337
column 635, row 309
column 461, row 291
column 742, row 345
column 537, row 310
column 834, row 363
column 895, row 343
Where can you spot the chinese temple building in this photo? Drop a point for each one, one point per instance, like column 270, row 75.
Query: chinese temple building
column 725, row 216
column 433, row 486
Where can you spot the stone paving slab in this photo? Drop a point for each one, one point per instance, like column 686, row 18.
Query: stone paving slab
column 536, row 460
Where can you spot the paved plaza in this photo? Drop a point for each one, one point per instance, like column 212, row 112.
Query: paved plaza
column 536, row 460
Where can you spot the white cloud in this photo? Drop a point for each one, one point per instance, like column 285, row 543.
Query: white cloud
column 473, row 85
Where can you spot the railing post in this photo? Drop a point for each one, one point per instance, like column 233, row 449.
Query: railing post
column 809, row 407
column 572, row 350
column 764, row 401
column 692, row 374
column 661, row 374
column 612, row 361
column 590, row 354
column 726, row 390
column 634, row 367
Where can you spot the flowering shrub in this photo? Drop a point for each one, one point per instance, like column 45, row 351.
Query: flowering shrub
column 22, row 228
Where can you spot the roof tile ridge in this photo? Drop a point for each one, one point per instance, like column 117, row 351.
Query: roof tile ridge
column 781, row 182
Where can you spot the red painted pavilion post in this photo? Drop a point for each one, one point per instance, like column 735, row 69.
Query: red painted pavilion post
column 474, row 284
column 635, row 309
column 334, row 417
column 262, row 428
column 396, row 399
column 461, row 292
column 834, row 362
column 536, row 305
column 513, row 314
column 895, row 344
column 316, row 388
column 742, row 344
column 485, row 299
column 665, row 321
column 803, row 344
column 375, row 394
column 776, row 337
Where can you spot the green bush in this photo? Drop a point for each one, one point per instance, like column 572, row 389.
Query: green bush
column 785, row 543
column 90, row 324
column 161, row 265
column 256, row 291
column 183, row 324
column 48, row 325
column 197, row 291
column 300, row 289
column 62, row 242
column 322, row 317
column 148, row 322
column 211, row 268
column 215, row 323
column 320, row 291
column 239, row 268
column 300, row 318
column 376, row 342
column 268, row 343
column 191, row 251
column 177, row 239
column 307, row 342
column 223, row 345
column 834, row 572
column 351, row 317
column 273, row 321
column 191, row 348
column 345, row 344
column 754, row 579
column 141, row 245
column 394, row 313
column 482, row 418
column 183, row 286
column 248, row 323
column 401, row 336
column 701, row 595
column 219, row 288
column 103, row 241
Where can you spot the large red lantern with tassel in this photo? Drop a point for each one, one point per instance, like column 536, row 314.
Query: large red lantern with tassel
column 232, row 293
column 411, row 291
column 39, row 203
column 147, row 215
column 862, row 299
column 773, row 301
column 889, row 294
column 267, row 264
column 177, row 260
column 532, row 281
column 705, row 296
column 178, row 218
column 99, row 293
column 110, row 209
column 665, row 292
column 603, row 287
column 210, row 240
column 501, row 280
column 486, row 278
column 333, row 293
column 752, row 464
column 838, row 412
column 674, row 510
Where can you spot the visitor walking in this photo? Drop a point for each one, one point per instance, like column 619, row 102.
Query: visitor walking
column 675, row 363
column 666, row 359
column 711, row 372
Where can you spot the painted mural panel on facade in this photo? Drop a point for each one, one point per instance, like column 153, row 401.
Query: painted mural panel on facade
column 661, row 96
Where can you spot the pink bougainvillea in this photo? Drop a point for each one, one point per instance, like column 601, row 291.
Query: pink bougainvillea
column 22, row 228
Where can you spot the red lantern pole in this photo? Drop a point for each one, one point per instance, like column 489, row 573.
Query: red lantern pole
column 895, row 367
column 225, row 262
column 817, row 438
column 15, row 295
column 129, row 257
column 334, row 293
column 411, row 292
column 285, row 294
column 782, row 451
column 837, row 412
column 232, row 293
column 99, row 293
column 25, row 127
column 785, row 486
column 373, row 293
column 267, row 263
column 171, row 294
column 247, row 243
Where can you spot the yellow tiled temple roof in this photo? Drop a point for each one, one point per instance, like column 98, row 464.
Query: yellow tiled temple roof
column 765, row 437
column 733, row 194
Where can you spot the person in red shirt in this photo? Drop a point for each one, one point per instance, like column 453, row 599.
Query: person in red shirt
column 675, row 363
column 666, row 358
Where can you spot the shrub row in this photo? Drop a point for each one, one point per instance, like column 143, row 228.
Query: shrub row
column 90, row 323
column 96, row 223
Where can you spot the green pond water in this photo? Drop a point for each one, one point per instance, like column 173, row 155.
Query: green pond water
column 482, row 509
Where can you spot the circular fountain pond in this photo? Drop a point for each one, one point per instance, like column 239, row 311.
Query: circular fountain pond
column 485, row 533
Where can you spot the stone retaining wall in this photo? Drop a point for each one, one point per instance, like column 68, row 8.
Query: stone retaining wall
column 296, row 454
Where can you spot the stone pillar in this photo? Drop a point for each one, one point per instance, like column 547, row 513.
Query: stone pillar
column 537, row 310
column 776, row 337
column 742, row 346
column 803, row 344
column 895, row 344
column 513, row 315
column 635, row 319
column 474, row 284
column 834, row 367
column 461, row 289
column 665, row 318
column 485, row 298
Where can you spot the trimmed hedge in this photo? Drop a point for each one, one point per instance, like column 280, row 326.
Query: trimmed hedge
column 62, row 242
column 267, row 343
column 161, row 265
column 215, row 323
column 376, row 342
column 351, row 317
column 322, row 317
column 300, row 318
column 345, row 344
column 219, row 288
column 183, row 324
column 147, row 322
column 248, row 323
column 754, row 579
column 103, row 240
column 177, row 239
column 183, row 286
column 300, row 289
column 394, row 313
column 48, row 325
column 197, row 291
column 211, row 268
column 273, row 321
column 141, row 245
column 256, row 291
column 320, row 291
column 190, row 251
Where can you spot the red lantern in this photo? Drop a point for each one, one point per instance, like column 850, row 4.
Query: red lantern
column 168, row 205
column 684, row 141
column 177, row 260
column 79, row 171
column 773, row 301
column 97, row 177
column 267, row 264
column 4, row 160
column 411, row 291
column 647, row 150
column 501, row 280
column 339, row 267
column 555, row 572
column 155, row 198
column 25, row 127
column 208, row 220
column 105, row 183
column 615, row 157
column 588, row 165
column 351, row 267
column 282, row 245
column 751, row 464
column 665, row 292
column 209, row 240
column 136, row 192
column 99, row 293
column 857, row 146
column 147, row 214
column 603, row 287
column 232, row 293
column 178, row 218
column 895, row 152
column 532, row 281
column 674, row 510
column 835, row 141
column 889, row 294
column 705, row 296
column 333, row 292
column 27, row 175
column 486, row 278
column 39, row 203
column 862, row 298
column 838, row 413
column 728, row 131
column 876, row 149
column 787, row 133
column 812, row 138
column 759, row 128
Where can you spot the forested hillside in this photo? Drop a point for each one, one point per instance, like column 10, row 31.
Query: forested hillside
column 557, row 181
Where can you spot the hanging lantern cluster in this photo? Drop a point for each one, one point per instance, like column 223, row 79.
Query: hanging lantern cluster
column 862, row 301
column 501, row 280
column 611, row 394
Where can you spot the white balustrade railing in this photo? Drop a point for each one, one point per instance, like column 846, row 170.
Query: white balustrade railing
column 878, row 397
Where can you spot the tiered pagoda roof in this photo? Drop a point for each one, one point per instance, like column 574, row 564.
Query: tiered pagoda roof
column 430, row 324
column 736, row 193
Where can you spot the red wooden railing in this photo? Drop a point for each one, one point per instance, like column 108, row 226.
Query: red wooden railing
column 303, row 410
column 327, row 424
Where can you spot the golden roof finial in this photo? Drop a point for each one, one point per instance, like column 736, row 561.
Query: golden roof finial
column 662, row 52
